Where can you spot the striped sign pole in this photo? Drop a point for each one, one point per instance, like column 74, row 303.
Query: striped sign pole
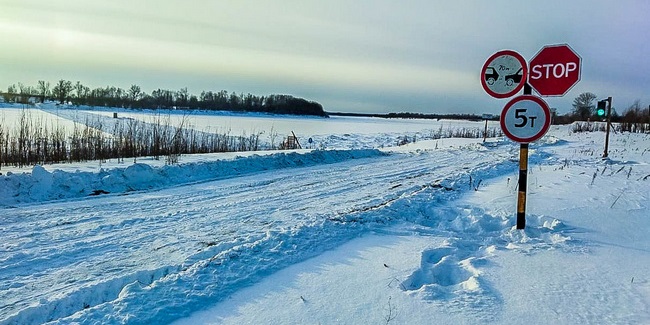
column 523, row 176
column 523, row 181
column 524, row 119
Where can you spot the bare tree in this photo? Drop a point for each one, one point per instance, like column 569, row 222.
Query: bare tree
column 10, row 95
column 583, row 105
column 134, row 93
column 82, row 93
column 182, row 97
column 635, row 118
column 43, row 89
column 62, row 90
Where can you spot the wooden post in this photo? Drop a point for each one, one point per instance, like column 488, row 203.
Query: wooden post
column 297, row 142
column 485, row 131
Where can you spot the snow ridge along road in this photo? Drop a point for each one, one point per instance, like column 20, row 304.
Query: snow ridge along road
column 43, row 185
column 155, row 256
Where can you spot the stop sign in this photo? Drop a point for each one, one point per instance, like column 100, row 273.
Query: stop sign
column 554, row 70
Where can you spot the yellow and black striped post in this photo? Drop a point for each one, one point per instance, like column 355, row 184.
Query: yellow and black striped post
column 523, row 176
column 523, row 180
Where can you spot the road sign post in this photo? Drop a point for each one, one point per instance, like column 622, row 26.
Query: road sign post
column 524, row 119
column 551, row 72
column 523, row 177
column 523, row 184
column 486, row 117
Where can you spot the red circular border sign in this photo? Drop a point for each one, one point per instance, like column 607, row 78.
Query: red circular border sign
column 542, row 104
column 524, row 77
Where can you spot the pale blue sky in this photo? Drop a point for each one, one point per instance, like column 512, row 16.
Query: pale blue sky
column 354, row 56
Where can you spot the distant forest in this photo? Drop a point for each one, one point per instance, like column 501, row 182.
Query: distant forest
column 407, row 115
column 64, row 91
column 635, row 118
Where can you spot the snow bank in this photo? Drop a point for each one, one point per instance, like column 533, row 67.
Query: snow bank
column 43, row 185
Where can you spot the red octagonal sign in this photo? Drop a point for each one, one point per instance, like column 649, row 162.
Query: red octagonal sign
column 554, row 70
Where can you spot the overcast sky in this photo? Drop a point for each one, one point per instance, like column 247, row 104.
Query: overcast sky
column 352, row 56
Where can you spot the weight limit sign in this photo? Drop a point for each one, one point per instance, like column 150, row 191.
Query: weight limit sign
column 525, row 119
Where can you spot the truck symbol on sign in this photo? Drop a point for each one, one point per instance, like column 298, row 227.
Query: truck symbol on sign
column 491, row 75
column 514, row 78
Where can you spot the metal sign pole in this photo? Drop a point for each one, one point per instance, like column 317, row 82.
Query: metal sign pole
column 609, row 115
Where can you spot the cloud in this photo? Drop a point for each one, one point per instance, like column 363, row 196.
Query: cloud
column 376, row 55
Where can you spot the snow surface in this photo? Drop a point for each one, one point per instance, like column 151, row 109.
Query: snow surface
column 418, row 234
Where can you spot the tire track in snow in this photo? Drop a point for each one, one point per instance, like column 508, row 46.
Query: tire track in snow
column 116, row 250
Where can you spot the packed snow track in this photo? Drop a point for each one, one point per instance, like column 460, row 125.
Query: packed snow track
column 154, row 256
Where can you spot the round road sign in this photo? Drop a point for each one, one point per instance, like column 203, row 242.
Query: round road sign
column 525, row 118
column 504, row 74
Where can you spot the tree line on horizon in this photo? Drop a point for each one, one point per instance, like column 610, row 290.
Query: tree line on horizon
column 634, row 118
column 64, row 91
column 411, row 115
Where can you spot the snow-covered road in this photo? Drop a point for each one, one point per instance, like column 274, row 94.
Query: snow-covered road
column 103, row 258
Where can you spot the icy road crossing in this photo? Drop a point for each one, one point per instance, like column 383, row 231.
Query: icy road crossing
column 157, row 255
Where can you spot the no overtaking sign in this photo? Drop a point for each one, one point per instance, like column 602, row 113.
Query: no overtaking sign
column 504, row 74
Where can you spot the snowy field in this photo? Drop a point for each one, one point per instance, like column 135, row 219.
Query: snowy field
column 336, row 132
column 358, row 233
column 11, row 114
column 304, row 126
